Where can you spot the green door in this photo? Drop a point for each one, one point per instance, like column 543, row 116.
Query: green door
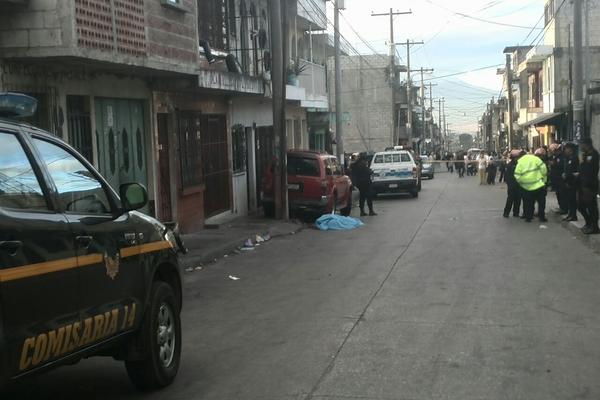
column 121, row 140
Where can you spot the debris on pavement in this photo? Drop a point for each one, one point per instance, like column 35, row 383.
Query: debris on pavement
column 248, row 243
column 543, row 226
column 234, row 278
column 189, row 269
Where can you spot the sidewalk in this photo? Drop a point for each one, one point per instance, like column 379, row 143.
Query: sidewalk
column 212, row 243
column 591, row 241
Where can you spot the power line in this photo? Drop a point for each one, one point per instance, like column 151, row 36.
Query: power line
column 479, row 19
column 463, row 72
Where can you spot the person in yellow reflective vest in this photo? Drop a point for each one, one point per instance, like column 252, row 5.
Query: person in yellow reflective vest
column 531, row 174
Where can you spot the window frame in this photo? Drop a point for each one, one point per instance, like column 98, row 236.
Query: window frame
column 111, row 195
column 37, row 171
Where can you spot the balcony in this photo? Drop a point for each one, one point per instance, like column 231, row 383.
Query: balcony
column 312, row 14
column 311, row 90
column 230, row 82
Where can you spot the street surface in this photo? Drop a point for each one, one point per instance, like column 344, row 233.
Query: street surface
column 436, row 298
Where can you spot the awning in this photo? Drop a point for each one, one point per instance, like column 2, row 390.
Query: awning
column 546, row 119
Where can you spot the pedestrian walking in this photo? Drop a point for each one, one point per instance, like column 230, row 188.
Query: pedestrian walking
column 482, row 162
column 555, row 170
column 513, row 191
column 588, row 186
column 502, row 167
column 361, row 177
column 491, row 171
column 569, row 182
column 531, row 174
column 460, row 165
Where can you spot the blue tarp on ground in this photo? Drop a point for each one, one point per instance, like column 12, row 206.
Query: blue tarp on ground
column 333, row 222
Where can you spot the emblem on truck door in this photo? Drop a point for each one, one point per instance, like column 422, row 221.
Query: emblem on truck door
column 112, row 265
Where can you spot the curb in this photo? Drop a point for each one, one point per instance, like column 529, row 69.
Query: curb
column 227, row 248
column 591, row 241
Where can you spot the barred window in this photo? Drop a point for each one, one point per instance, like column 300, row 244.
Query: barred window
column 190, row 149
column 212, row 22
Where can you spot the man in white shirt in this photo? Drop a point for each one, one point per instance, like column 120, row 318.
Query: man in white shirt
column 482, row 162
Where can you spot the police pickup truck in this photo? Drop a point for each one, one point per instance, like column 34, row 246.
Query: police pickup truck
column 81, row 272
column 396, row 170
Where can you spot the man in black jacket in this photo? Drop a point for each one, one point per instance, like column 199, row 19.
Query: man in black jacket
column 556, row 167
column 361, row 178
column 588, row 186
column 569, row 181
column 513, row 191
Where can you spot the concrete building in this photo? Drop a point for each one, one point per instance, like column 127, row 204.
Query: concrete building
column 366, row 101
column 174, row 94
column 543, row 71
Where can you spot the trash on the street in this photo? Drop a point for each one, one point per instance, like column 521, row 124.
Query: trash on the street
column 543, row 227
column 189, row 269
column 334, row 222
column 259, row 239
column 248, row 243
column 267, row 237
column 234, row 278
column 198, row 268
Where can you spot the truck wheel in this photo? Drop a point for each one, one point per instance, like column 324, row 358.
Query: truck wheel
column 160, row 335
column 269, row 209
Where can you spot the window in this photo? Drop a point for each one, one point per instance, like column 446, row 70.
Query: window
column 334, row 167
column 190, row 149
column 19, row 187
column 378, row 159
column 78, row 189
column 239, row 149
column 212, row 23
column 303, row 166
column 405, row 157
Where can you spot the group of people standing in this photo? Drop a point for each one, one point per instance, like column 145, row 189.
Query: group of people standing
column 574, row 180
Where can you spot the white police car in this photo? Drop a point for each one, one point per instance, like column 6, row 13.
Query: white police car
column 396, row 171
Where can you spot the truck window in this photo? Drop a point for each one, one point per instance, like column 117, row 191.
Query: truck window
column 378, row 159
column 78, row 189
column 405, row 157
column 303, row 166
column 19, row 187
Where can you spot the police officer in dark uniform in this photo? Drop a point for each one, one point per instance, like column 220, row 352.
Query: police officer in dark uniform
column 569, row 181
column 513, row 192
column 556, row 164
column 361, row 177
column 588, row 186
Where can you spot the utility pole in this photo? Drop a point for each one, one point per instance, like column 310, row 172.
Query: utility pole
column 445, row 126
column 409, row 88
column 431, row 85
column 440, row 119
column 422, row 133
column 509, row 96
column 339, row 134
column 391, row 14
column 278, row 91
column 579, row 131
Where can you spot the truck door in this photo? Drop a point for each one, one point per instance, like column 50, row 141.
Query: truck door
column 39, row 284
column 106, row 242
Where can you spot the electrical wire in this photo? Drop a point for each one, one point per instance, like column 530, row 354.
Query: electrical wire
column 479, row 19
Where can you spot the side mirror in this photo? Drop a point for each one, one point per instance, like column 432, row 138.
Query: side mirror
column 133, row 196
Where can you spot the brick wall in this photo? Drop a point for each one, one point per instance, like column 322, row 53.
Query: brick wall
column 142, row 33
column 37, row 26
column 172, row 34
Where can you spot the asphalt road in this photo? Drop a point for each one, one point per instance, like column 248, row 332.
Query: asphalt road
column 436, row 298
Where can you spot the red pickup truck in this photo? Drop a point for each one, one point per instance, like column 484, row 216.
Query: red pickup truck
column 316, row 183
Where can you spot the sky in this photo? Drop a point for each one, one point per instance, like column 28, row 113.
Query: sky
column 453, row 43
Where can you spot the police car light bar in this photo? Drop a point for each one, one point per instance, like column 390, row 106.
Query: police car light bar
column 17, row 105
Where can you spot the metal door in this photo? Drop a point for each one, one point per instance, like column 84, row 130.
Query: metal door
column 121, row 140
column 265, row 151
column 215, row 164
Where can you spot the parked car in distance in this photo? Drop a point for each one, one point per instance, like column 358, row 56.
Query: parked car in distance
column 82, row 273
column 316, row 183
column 427, row 168
column 396, row 171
